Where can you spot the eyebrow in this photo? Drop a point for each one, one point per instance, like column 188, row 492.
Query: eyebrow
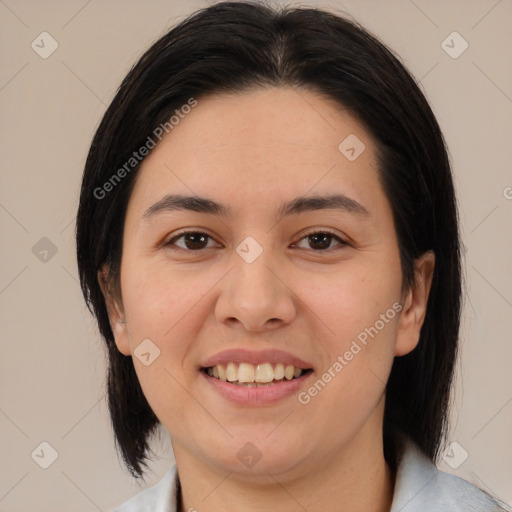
column 177, row 202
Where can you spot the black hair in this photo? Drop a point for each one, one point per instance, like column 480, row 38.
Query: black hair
column 231, row 47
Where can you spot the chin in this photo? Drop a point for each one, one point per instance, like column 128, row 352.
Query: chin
column 255, row 455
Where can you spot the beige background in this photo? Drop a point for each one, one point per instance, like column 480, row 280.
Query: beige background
column 53, row 365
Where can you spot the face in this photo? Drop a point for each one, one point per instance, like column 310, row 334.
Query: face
column 265, row 284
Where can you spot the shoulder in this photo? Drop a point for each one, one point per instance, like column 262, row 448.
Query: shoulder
column 420, row 486
column 161, row 497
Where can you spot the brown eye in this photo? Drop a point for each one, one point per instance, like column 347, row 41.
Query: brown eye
column 319, row 241
column 192, row 240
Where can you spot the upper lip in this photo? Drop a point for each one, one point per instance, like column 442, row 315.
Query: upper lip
column 255, row 357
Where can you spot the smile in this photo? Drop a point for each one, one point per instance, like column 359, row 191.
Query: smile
column 255, row 378
column 251, row 375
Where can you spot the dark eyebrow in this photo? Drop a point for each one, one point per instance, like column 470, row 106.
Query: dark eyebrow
column 332, row 201
column 172, row 202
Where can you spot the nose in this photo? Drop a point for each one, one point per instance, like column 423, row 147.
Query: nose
column 255, row 296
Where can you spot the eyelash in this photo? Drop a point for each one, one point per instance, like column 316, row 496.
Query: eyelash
column 170, row 243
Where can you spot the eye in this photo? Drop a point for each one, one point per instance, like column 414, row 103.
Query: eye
column 193, row 240
column 322, row 239
column 197, row 240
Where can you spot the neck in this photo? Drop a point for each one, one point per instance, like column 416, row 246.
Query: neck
column 355, row 478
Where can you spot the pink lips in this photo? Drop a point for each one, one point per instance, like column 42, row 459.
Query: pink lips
column 256, row 396
column 248, row 356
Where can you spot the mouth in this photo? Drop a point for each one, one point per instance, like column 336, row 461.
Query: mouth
column 251, row 378
column 255, row 375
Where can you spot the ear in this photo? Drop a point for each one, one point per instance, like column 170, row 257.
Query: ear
column 415, row 305
column 115, row 314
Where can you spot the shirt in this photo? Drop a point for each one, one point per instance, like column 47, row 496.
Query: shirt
column 419, row 487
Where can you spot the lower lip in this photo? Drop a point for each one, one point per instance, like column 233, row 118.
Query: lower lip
column 263, row 395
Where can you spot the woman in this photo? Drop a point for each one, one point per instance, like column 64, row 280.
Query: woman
column 267, row 235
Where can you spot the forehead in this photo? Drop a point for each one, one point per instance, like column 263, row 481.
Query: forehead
column 253, row 145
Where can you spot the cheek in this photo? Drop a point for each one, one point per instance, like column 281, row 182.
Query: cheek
column 157, row 301
column 356, row 312
column 352, row 300
column 163, row 307
column 357, row 330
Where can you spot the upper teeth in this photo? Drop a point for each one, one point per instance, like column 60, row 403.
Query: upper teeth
column 246, row 372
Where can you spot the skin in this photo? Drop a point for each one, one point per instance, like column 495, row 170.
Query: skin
column 252, row 151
